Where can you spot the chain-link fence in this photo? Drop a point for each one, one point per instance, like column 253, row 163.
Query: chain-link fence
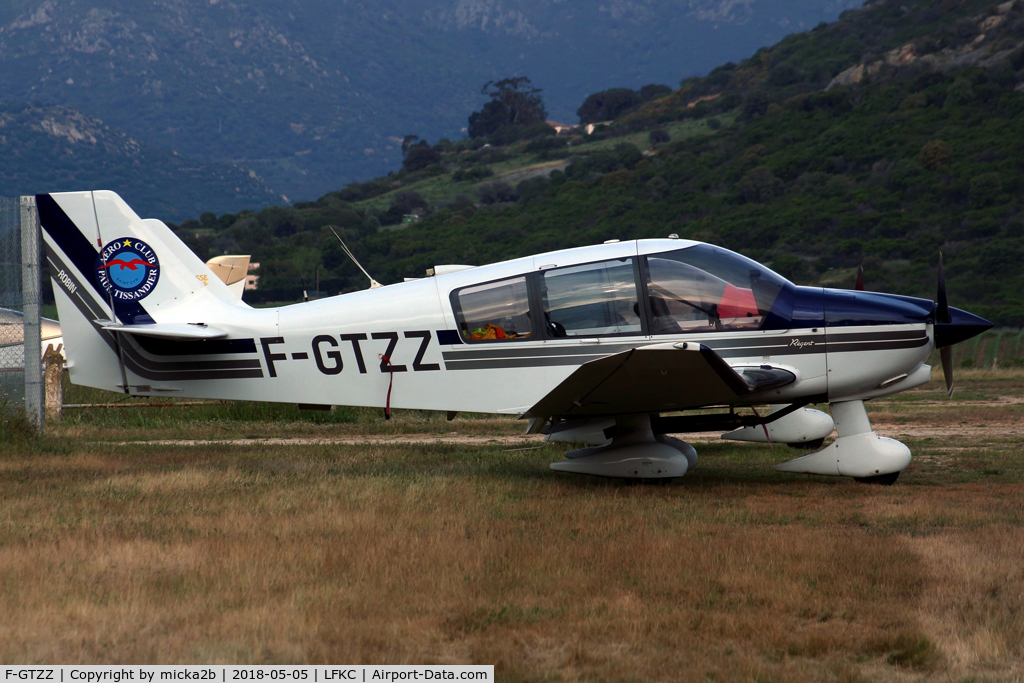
column 12, row 334
column 20, row 307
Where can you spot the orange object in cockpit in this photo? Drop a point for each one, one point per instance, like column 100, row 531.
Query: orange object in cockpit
column 737, row 303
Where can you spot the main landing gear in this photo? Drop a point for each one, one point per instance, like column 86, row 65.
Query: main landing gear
column 634, row 453
column 627, row 448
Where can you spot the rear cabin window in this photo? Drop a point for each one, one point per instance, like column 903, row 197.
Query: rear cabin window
column 496, row 311
column 591, row 299
column 706, row 289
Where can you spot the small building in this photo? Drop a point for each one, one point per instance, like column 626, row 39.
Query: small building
column 561, row 127
column 250, row 279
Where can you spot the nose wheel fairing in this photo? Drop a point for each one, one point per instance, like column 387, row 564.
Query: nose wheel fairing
column 858, row 452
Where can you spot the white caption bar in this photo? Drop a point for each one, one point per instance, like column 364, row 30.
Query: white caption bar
column 235, row 674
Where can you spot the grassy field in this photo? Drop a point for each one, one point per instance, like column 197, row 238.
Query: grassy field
column 448, row 551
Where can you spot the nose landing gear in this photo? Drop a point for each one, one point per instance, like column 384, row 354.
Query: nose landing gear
column 857, row 453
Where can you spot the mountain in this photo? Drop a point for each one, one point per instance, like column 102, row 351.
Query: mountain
column 312, row 94
column 53, row 148
column 879, row 140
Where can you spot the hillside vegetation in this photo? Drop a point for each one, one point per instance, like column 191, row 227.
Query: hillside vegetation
column 879, row 140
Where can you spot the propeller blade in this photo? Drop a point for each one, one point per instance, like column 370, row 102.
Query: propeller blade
column 942, row 304
column 860, row 279
column 946, row 353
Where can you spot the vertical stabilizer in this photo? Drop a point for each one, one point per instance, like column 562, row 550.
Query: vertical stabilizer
column 110, row 266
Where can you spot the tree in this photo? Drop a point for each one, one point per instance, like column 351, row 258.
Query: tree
column 934, row 154
column 759, row 185
column 754, row 104
column 514, row 102
column 496, row 193
column 408, row 202
column 407, row 142
column 607, row 105
column 653, row 91
column 420, row 156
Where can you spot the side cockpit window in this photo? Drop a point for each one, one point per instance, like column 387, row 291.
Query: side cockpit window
column 705, row 288
column 495, row 311
column 592, row 299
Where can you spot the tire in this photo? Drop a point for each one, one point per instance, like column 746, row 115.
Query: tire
column 880, row 480
column 808, row 445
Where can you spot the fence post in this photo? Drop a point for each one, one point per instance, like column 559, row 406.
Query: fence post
column 32, row 301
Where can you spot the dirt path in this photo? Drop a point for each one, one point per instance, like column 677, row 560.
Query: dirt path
column 399, row 440
column 999, row 430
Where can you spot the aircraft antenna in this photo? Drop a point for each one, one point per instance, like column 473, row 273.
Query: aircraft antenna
column 373, row 283
column 110, row 292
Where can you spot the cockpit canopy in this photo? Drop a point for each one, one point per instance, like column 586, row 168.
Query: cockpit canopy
column 703, row 287
column 696, row 289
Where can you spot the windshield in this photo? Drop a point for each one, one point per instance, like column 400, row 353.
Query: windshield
column 705, row 288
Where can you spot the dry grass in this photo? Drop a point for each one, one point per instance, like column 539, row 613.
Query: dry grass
column 401, row 554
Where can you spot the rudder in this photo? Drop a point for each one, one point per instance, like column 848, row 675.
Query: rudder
column 110, row 266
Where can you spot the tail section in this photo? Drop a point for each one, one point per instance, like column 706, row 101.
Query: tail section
column 113, row 273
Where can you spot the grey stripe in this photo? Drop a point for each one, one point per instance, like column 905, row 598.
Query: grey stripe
column 879, row 346
column 131, row 347
column 874, row 336
column 57, row 265
column 84, row 306
column 156, row 360
column 752, row 351
column 742, row 352
column 762, row 341
column 534, row 351
column 500, row 363
column 731, row 348
column 185, row 376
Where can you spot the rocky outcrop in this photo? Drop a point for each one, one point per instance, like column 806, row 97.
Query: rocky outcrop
column 977, row 51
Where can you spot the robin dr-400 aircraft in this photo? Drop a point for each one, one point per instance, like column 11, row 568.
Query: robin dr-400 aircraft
column 604, row 345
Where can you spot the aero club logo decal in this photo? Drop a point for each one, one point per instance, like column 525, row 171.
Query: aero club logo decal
column 127, row 269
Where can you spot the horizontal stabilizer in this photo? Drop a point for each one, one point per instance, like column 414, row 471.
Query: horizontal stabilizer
column 169, row 330
column 649, row 379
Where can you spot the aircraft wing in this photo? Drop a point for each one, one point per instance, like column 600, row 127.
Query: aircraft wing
column 651, row 379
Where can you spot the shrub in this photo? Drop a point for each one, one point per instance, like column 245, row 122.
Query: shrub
column 985, row 188
column 759, row 185
column 474, row 174
column 497, row 192
column 659, row 136
column 934, row 154
column 545, row 143
column 15, row 427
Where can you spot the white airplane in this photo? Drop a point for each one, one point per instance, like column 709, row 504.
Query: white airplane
column 604, row 344
column 12, row 339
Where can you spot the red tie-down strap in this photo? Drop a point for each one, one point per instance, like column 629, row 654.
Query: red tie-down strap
column 763, row 426
column 391, row 382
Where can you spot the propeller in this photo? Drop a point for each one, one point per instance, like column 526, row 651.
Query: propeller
column 942, row 316
column 942, row 304
column 946, row 354
column 859, row 286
